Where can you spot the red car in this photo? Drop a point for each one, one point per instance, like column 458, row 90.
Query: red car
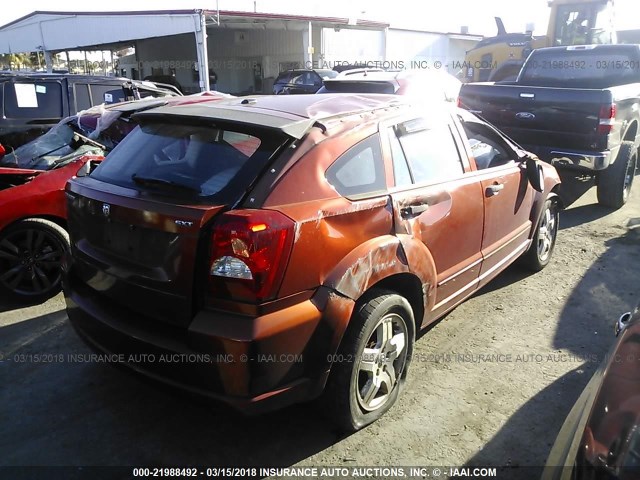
column 33, row 213
column 600, row 438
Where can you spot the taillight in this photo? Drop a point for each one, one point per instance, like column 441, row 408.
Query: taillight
column 250, row 251
column 606, row 118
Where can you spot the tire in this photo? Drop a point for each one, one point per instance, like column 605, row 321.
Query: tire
column 540, row 251
column 371, row 366
column 614, row 183
column 31, row 253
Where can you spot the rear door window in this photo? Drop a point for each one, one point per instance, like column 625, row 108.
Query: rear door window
column 360, row 171
column 430, row 150
column 42, row 100
column 216, row 163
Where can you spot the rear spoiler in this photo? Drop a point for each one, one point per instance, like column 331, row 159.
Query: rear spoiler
column 134, row 88
column 292, row 128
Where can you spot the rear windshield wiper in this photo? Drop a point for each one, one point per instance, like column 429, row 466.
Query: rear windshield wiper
column 160, row 182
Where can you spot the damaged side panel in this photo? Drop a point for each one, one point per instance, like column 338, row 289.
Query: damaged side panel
column 367, row 265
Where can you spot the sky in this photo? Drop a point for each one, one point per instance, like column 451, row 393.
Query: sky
column 447, row 16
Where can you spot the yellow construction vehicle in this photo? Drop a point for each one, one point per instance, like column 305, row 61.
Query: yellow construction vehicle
column 572, row 22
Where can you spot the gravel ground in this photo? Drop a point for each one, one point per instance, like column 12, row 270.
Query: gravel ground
column 490, row 384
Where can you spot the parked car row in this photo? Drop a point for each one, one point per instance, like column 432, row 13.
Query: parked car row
column 293, row 245
column 420, row 84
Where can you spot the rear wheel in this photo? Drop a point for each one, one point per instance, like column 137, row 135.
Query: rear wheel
column 539, row 253
column 31, row 254
column 372, row 362
column 614, row 183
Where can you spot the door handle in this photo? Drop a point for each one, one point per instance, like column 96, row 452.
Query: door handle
column 413, row 210
column 495, row 189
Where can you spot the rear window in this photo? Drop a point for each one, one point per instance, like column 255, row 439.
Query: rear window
column 325, row 73
column 284, row 77
column 581, row 69
column 211, row 163
column 40, row 100
column 338, row 86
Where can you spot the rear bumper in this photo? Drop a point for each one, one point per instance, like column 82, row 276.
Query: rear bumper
column 573, row 159
column 254, row 364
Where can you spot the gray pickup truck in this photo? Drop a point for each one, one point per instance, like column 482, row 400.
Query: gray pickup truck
column 577, row 108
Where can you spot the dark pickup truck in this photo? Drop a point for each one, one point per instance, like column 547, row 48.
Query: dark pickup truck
column 31, row 103
column 577, row 108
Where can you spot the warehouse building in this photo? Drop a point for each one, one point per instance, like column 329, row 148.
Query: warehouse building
column 236, row 52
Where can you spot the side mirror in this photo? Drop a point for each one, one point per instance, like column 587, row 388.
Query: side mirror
column 535, row 174
column 623, row 322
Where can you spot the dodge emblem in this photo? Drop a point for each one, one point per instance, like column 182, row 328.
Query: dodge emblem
column 106, row 209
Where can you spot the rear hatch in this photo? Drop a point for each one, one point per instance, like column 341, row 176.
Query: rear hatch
column 544, row 116
column 139, row 223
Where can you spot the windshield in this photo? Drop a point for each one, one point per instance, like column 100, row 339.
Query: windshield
column 94, row 132
column 326, row 73
column 582, row 24
column 213, row 163
column 39, row 153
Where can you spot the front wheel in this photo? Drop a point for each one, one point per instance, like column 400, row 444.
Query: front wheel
column 543, row 242
column 371, row 364
column 31, row 252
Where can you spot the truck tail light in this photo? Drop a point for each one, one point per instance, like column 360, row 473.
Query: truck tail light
column 607, row 118
column 249, row 253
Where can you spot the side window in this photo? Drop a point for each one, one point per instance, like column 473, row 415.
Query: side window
column 360, row 170
column 83, row 100
column 284, row 77
column 106, row 94
column 430, row 150
column 303, row 79
column 487, row 148
column 33, row 100
column 400, row 168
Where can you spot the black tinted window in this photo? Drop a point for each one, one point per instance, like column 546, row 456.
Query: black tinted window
column 360, row 170
column 106, row 94
column 430, row 150
column 33, row 100
column 350, row 86
column 83, row 100
column 283, row 77
column 304, row 78
column 212, row 163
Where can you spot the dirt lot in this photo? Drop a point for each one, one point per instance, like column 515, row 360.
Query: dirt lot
column 490, row 384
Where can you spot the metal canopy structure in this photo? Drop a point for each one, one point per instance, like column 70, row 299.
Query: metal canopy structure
column 48, row 31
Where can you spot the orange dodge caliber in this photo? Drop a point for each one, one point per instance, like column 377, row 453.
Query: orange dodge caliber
column 269, row 250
